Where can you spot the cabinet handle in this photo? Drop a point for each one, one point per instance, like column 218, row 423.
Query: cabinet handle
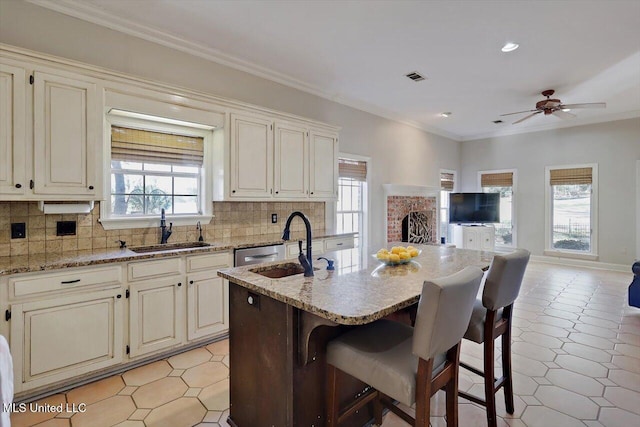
column 191, row 282
column 180, row 284
column 312, row 192
column 91, row 187
column 119, row 296
column 339, row 244
column 233, row 191
column 18, row 185
column 277, row 192
column 67, row 282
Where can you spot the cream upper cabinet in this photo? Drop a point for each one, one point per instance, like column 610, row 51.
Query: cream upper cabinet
column 67, row 135
column 291, row 169
column 12, row 129
column 324, row 165
column 251, row 156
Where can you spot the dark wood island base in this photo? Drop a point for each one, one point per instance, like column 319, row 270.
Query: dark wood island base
column 271, row 383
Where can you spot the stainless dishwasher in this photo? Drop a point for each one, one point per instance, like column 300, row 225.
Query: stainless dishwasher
column 258, row 255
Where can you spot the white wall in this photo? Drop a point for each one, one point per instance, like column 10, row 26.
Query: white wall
column 614, row 146
column 400, row 154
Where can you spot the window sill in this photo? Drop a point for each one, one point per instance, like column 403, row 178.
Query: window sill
column 149, row 222
column 573, row 255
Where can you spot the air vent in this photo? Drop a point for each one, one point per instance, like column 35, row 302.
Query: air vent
column 497, row 121
column 415, row 76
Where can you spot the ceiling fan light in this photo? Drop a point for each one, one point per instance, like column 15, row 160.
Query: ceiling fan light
column 445, row 114
column 566, row 110
column 510, row 47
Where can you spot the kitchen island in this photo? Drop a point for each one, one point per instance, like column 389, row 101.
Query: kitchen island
column 280, row 323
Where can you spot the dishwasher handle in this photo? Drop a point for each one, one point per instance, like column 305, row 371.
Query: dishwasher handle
column 262, row 256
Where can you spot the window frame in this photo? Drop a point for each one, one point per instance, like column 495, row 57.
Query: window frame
column 447, row 235
column 205, row 186
column 549, row 250
column 514, row 218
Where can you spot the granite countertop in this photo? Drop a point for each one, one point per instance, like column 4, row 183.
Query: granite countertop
column 357, row 297
column 41, row 262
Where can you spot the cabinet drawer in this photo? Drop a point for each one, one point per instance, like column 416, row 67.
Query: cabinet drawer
column 67, row 279
column 161, row 267
column 209, row 261
column 317, row 248
column 338, row 243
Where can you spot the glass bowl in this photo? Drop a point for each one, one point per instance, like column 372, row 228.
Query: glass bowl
column 399, row 262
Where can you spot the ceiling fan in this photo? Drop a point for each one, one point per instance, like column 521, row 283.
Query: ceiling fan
column 555, row 107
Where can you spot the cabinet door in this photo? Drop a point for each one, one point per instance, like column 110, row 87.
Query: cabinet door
column 156, row 315
column 12, row 129
column 55, row 339
column 207, row 305
column 251, row 157
column 67, row 135
column 324, row 166
column 487, row 238
column 291, row 174
column 471, row 238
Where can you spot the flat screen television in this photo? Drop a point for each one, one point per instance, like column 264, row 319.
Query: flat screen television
column 468, row 208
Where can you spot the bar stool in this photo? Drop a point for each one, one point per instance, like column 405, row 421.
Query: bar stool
column 491, row 318
column 407, row 364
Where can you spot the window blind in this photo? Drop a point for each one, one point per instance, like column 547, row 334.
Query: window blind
column 574, row 176
column 353, row 169
column 446, row 181
column 136, row 145
column 503, row 179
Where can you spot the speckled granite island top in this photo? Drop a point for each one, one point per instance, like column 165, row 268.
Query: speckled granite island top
column 41, row 262
column 358, row 297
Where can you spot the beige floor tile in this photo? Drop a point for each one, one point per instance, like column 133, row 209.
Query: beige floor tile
column 130, row 423
column 56, row 422
column 183, row 412
column 190, row 358
column 212, row 417
column 139, row 414
column 627, row 363
column 216, row 396
column 625, row 379
column 159, row 392
column 205, row 374
column 540, row 416
column 29, row 418
column 581, row 366
column 128, row 390
column 567, row 402
column 593, row 341
column 147, row 373
column 615, row 417
column 575, row 382
column 105, row 413
column 629, row 350
column 96, row 391
column 623, row 398
column 219, row 347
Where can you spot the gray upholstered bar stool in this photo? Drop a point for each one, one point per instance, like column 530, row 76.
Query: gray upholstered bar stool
column 491, row 319
column 407, row 364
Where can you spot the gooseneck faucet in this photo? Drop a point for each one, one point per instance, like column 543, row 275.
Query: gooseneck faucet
column 307, row 262
column 164, row 233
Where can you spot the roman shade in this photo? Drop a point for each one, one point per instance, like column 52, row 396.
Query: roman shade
column 503, row 179
column 574, row 176
column 353, row 169
column 446, row 181
column 136, row 145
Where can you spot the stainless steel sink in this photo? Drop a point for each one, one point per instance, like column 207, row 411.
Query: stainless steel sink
column 169, row 247
column 279, row 271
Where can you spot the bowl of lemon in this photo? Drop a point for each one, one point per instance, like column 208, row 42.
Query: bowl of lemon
column 397, row 255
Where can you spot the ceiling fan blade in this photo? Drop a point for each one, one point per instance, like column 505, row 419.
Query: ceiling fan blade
column 587, row 105
column 526, row 117
column 563, row 114
column 519, row 112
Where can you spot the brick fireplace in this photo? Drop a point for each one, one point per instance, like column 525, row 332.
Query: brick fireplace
column 412, row 213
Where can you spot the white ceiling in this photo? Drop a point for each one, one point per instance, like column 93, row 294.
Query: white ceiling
column 357, row 53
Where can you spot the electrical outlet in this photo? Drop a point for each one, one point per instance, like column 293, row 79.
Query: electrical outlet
column 65, row 228
column 274, row 218
column 18, row 230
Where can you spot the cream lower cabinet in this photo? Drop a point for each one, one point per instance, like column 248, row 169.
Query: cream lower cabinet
column 480, row 238
column 207, row 305
column 156, row 315
column 55, row 339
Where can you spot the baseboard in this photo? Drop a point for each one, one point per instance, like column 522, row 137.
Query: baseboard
column 582, row 263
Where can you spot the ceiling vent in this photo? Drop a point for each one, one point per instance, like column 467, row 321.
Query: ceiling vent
column 415, row 76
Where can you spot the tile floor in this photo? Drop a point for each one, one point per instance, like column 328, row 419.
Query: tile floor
column 576, row 361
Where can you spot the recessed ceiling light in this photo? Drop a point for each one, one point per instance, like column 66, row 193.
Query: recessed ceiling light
column 445, row 114
column 566, row 110
column 510, row 47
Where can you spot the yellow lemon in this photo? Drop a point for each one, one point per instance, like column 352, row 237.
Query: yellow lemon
column 394, row 258
column 410, row 248
column 397, row 249
column 404, row 255
column 413, row 253
column 382, row 256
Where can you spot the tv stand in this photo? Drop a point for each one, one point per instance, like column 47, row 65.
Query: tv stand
column 480, row 237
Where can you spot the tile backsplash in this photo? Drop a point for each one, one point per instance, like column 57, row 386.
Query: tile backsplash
column 232, row 219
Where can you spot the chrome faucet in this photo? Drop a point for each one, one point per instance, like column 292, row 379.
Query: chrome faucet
column 306, row 262
column 164, row 233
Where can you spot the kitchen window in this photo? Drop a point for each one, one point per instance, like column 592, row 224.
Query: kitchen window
column 350, row 212
column 155, row 166
column 571, row 201
column 503, row 183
